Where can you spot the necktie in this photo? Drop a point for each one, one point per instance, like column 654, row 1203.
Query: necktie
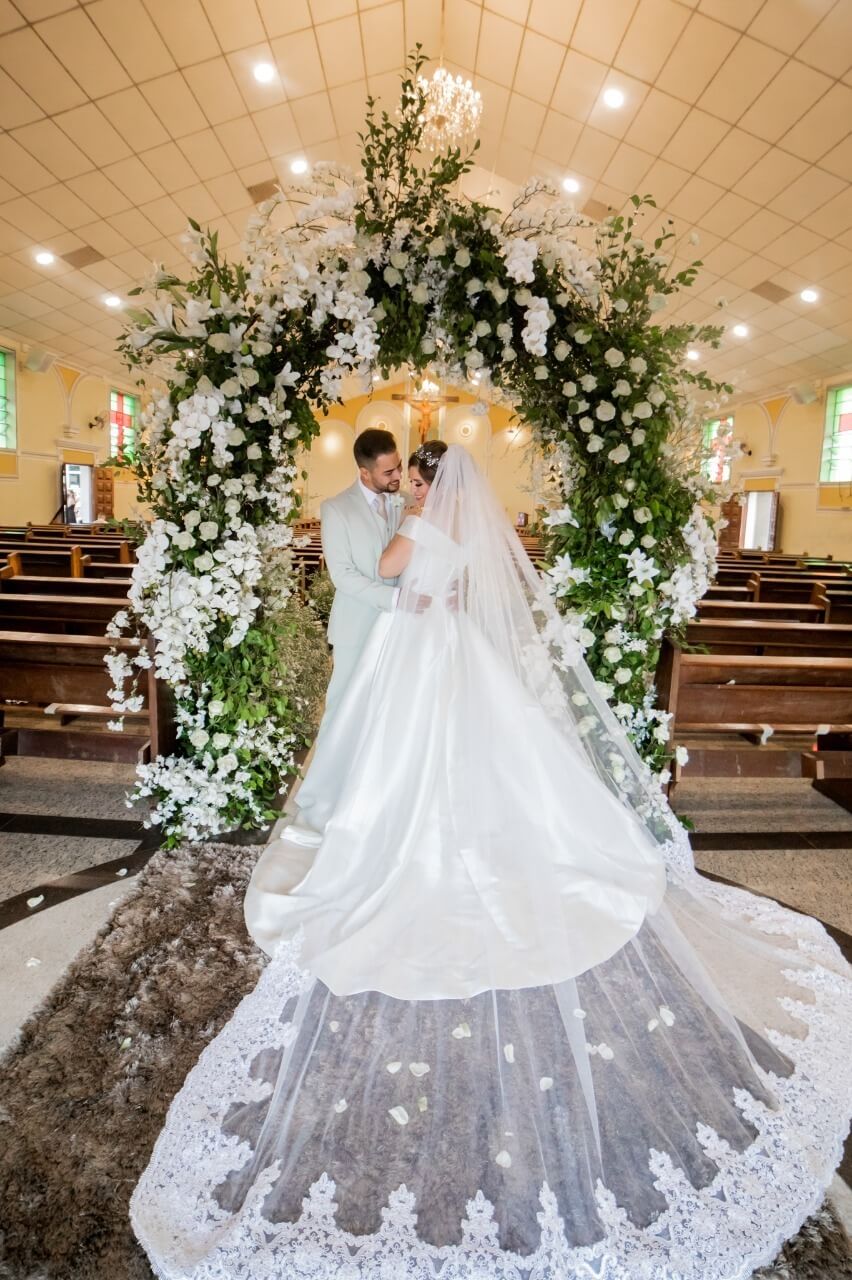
column 380, row 507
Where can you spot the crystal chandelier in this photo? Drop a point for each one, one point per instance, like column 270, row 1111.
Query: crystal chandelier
column 451, row 112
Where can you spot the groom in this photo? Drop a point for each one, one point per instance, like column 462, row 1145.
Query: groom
column 357, row 525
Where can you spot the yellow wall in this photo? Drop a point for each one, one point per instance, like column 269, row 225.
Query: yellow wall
column 53, row 410
column 785, row 439
column 499, row 445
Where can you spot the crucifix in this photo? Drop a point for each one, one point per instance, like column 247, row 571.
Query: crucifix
column 425, row 398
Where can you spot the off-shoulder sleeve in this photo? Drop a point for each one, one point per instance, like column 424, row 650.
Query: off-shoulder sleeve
column 410, row 527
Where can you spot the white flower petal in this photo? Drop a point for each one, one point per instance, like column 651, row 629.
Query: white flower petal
column 503, row 1159
column 393, row 1067
column 399, row 1114
column 545, row 1083
column 341, row 1106
column 509, row 1052
column 666, row 1015
column 32, row 903
column 461, row 1032
column 418, row 1069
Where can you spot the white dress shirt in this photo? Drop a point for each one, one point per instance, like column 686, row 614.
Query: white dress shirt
column 372, row 500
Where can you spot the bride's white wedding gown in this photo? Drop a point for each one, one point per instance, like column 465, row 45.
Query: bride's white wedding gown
column 506, row 1030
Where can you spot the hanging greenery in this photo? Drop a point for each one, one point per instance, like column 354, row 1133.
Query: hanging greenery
column 392, row 269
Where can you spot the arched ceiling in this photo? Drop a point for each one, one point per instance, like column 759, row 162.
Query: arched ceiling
column 122, row 117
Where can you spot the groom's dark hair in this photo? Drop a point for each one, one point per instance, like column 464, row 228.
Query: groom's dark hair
column 371, row 444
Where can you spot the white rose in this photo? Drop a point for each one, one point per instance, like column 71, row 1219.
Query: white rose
column 612, row 653
column 642, row 409
column 620, row 501
column 427, row 346
column 638, row 436
column 586, row 424
column 561, row 350
column 215, row 708
column 541, row 372
column 435, row 248
column 482, row 327
column 230, row 387
column 184, row 540
column 641, row 515
column 621, row 388
column 605, row 411
column 205, row 562
column 622, row 675
column 627, row 418
column 462, row 258
column 648, row 541
column 620, row 305
column 208, row 530
column 625, row 538
column 213, row 480
column 509, row 354
column 582, row 337
column 594, row 444
column 474, row 286
column 192, row 518
column 420, row 293
column 399, row 259
column 588, row 382
column 392, row 276
column 235, row 436
column 657, row 396
column 681, row 755
column 474, row 359
column 614, row 357
column 638, row 364
column 619, row 454
column 569, row 389
column 586, row 637
column 221, row 740
column 630, row 485
column 254, row 453
column 580, row 699
column 199, row 738
column 227, row 764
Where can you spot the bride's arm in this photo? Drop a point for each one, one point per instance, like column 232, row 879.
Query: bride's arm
column 395, row 556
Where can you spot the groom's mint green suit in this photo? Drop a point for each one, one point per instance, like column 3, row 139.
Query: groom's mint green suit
column 353, row 538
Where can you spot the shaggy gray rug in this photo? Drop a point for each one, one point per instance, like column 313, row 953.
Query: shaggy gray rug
column 86, row 1089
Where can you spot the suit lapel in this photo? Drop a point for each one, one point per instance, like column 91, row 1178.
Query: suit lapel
column 367, row 518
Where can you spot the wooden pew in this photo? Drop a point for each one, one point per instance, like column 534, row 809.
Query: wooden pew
column 733, row 693
column 723, row 592
column 71, row 615
column 785, row 639
column 760, row 611
column 837, row 603
column 26, row 584
column 68, row 562
column 67, row 674
column 792, row 588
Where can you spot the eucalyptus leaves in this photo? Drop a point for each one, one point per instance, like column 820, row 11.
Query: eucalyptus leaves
column 385, row 270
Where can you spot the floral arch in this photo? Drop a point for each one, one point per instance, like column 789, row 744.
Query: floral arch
column 393, row 269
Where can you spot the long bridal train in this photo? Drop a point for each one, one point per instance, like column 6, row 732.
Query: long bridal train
column 506, row 1030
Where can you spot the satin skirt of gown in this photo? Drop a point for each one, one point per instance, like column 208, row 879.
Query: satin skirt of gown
column 503, row 1031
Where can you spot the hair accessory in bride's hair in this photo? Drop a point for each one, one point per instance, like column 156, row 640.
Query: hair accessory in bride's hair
column 430, row 457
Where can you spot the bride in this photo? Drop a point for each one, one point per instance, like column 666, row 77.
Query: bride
column 506, row 1030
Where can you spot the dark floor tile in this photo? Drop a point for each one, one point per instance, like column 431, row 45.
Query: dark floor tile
column 52, row 824
column 702, row 841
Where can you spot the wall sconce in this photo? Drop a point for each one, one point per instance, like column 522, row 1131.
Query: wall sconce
column 98, row 422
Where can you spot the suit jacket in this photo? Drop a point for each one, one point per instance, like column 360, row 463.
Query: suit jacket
column 353, row 539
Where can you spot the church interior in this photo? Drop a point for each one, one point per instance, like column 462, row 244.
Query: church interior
column 120, row 120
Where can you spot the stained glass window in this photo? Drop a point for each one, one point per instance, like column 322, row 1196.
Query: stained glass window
column 718, row 436
column 7, row 399
column 123, row 423
column 837, row 444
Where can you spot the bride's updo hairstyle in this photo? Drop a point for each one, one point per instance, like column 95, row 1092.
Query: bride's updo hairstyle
column 427, row 459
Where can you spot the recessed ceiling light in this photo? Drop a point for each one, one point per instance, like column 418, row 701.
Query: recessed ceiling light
column 44, row 259
column 613, row 98
column 740, row 330
column 570, row 184
column 300, row 165
column 112, row 301
column 809, row 295
column 692, row 354
column 263, row 72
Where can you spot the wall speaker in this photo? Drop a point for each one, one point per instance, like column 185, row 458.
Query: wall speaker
column 804, row 393
column 38, row 360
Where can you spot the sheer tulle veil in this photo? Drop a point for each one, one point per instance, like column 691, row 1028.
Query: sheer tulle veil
column 506, row 1031
column 506, row 599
